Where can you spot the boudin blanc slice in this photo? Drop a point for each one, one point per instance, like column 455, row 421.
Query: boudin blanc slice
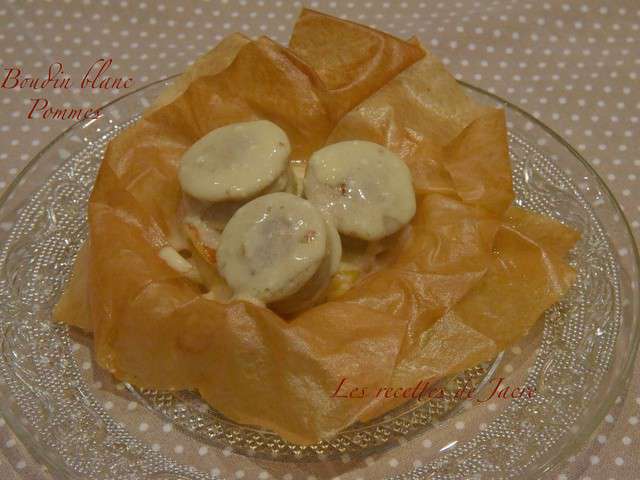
column 363, row 187
column 272, row 247
column 235, row 162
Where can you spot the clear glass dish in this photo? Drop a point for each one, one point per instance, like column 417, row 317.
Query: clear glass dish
column 81, row 423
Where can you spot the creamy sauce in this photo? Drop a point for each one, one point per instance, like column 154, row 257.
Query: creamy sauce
column 284, row 183
column 335, row 247
column 235, row 162
column 365, row 188
column 272, row 247
column 298, row 167
column 179, row 263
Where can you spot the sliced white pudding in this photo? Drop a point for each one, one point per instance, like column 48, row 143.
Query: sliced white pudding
column 223, row 170
column 363, row 187
column 316, row 288
column 235, row 162
column 276, row 246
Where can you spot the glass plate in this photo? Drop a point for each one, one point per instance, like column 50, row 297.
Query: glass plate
column 81, row 423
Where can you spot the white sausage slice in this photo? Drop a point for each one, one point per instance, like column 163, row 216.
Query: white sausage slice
column 365, row 188
column 272, row 247
column 203, row 222
column 315, row 290
column 235, row 162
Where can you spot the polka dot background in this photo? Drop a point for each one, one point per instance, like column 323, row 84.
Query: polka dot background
column 572, row 64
